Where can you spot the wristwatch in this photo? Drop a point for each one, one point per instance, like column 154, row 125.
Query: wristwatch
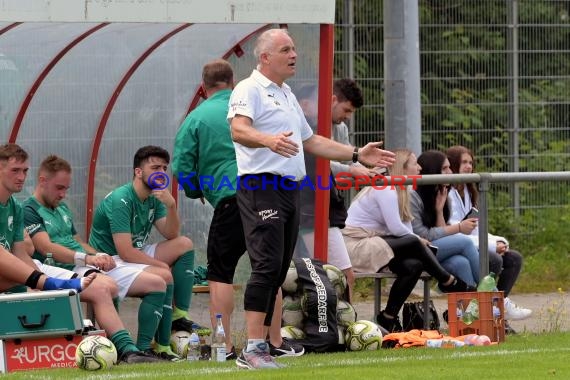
column 355, row 155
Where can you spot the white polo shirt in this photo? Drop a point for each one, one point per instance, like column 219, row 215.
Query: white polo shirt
column 273, row 110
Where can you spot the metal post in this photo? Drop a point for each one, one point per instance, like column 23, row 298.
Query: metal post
column 513, row 97
column 483, row 225
column 402, row 75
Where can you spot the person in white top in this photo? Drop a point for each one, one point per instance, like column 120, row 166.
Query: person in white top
column 346, row 99
column 268, row 128
column 463, row 198
column 377, row 215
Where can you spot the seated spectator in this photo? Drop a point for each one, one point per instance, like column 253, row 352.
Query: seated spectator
column 430, row 209
column 508, row 262
column 378, row 234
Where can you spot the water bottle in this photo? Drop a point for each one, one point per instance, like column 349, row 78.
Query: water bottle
column 219, row 341
column 49, row 259
column 497, row 319
column 488, row 283
column 444, row 343
column 477, row 340
column 471, row 313
column 193, row 347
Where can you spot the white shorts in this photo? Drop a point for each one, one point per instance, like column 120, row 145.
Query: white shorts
column 125, row 274
column 55, row 272
column 149, row 249
column 337, row 253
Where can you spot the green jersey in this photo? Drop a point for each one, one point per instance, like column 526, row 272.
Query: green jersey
column 204, row 154
column 57, row 223
column 123, row 212
column 11, row 224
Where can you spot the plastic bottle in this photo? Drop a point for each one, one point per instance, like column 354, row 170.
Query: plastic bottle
column 49, row 259
column 193, row 347
column 497, row 319
column 444, row 343
column 488, row 283
column 471, row 313
column 219, row 341
column 477, row 340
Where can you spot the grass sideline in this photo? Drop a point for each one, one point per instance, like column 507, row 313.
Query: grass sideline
column 521, row 357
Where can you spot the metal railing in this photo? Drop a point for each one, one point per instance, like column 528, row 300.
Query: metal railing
column 484, row 180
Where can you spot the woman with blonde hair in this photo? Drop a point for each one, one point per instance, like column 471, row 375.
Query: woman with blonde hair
column 378, row 235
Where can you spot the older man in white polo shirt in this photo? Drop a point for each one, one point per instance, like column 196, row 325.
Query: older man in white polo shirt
column 268, row 129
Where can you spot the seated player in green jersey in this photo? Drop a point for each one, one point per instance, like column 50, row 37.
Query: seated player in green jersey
column 49, row 223
column 121, row 227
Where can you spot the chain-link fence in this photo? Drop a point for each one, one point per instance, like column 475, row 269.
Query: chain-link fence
column 495, row 77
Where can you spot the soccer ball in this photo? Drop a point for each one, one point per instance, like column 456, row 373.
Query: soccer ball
column 292, row 313
column 345, row 313
column 290, row 285
column 292, row 332
column 363, row 335
column 95, row 352
column 179, row 342
column 337, row 279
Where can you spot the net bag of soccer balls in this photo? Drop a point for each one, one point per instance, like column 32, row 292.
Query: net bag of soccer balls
column 295, row 304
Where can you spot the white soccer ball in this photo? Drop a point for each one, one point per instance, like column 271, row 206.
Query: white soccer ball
column 95, row 352
column 291, row 284
column 292, row 312
column 345, row 313
column 363, row 335
column 179, row 342
column 292, row 332
column 337, row 279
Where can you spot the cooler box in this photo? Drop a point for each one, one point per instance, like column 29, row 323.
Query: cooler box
column 46, row 352
column 490, row 324
column 40, row 314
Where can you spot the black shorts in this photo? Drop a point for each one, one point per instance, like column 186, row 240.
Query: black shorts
column 271, row 224
column 226, row 242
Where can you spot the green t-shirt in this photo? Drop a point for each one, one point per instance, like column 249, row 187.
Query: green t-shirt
column 11, row 224
column 57, row 223
column 204, row 151
column 123, row 212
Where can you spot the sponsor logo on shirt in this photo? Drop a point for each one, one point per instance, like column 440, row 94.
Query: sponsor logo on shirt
column 238, row 104
column 33, row 228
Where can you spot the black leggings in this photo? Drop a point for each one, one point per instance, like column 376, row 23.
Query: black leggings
column 411, row 257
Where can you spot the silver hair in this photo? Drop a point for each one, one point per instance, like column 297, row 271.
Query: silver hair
column 265, row 41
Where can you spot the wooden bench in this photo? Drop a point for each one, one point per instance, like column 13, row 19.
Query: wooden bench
column 379, row 276
column 206, row 288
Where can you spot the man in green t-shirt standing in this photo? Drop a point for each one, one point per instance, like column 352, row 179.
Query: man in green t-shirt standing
column 122, row 224
column 49, row 223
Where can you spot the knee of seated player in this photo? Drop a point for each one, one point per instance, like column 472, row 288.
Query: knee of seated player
column 100, row 290
column 164, row 274
column 108, row 283
column 145, row 283
column 183, row 244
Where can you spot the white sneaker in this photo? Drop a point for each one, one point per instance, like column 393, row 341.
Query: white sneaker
column 514, row 312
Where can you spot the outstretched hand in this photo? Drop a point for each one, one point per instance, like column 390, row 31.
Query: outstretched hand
column 281, row 144
column 372, row 155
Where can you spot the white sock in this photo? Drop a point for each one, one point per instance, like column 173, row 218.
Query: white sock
column 252, row 344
